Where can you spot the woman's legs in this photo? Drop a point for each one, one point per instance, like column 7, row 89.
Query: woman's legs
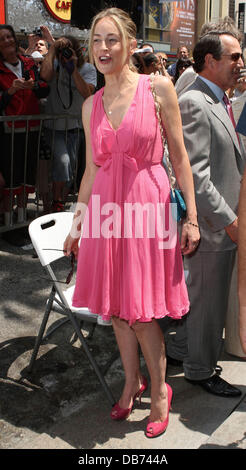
column 151, row 340
column 128, row 346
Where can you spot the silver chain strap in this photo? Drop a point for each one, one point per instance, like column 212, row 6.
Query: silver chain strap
column 172, row 179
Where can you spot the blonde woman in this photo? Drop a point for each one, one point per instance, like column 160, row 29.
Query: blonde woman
column 126, row 277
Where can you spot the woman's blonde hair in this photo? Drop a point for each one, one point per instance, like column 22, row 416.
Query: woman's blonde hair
column 124, row 23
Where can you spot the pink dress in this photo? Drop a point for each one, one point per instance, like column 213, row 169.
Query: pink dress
column 122, row 269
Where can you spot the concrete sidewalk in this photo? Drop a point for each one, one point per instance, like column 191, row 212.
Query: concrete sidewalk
column 197, row 421
column 61, row 405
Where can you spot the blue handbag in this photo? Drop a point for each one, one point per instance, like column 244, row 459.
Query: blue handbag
column 175, row 194
column 177, row 198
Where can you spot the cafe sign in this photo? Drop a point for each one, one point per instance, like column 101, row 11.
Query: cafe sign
column 59, row 9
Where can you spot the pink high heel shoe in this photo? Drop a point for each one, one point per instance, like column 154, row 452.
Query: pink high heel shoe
column 156, row 429
column 119, row 413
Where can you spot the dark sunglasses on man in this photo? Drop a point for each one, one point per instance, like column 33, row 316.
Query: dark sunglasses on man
column 235, row 56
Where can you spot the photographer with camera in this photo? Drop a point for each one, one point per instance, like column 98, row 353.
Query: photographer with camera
column 40, row 40
column 71, row 81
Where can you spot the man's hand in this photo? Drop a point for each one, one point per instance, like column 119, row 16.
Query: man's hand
column 232, row 230
column 46, row 34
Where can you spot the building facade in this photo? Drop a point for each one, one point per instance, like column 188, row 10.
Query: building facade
column 26, row 15
column 165, row 24
column 168, row 25
column 240, row 17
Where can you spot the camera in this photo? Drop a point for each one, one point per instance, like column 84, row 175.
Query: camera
column 37, row 32
column 66, row 52
column 26, row 75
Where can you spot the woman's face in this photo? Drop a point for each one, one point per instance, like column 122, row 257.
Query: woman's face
column 7, row 42
column 108, row 51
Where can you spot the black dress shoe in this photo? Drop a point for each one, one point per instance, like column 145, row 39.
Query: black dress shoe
column 217, row 386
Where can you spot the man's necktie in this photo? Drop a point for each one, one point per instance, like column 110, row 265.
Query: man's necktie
column 230, row 112
column 229, row 109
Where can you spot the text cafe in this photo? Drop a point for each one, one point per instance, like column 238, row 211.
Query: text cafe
column 59, row 9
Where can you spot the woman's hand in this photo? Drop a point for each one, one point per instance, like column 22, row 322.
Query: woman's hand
column 28, row 84
column 71, row 245
column 21, row 84
column 190, row 238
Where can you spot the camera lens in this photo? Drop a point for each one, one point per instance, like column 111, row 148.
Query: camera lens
column 67, row 53
column 37, row 32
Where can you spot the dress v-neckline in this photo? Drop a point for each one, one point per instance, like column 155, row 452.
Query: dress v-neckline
column 126, row 113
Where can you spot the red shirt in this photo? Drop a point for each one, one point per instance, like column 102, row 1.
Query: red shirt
column 22, row 102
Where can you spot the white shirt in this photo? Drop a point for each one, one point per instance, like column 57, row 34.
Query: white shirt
column 16, row 69
column 217, row 91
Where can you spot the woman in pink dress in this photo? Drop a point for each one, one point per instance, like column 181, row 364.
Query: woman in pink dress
column 127, row 270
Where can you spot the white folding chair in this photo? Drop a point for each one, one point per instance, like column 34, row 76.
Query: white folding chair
column 47, row 234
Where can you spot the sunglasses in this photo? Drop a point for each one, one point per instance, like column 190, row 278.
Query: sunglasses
column 70, row 274
column 235, row 56
column 72, row 261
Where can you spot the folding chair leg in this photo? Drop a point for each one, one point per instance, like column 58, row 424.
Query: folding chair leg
column 42, row 329
column 92, row 360
column 75, row 336
column 54, row 328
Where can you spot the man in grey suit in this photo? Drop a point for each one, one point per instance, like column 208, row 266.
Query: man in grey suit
column 217, row 164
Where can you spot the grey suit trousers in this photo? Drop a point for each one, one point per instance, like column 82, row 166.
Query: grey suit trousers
column 199, row 336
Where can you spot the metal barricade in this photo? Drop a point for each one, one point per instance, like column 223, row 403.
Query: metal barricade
column 41, row 120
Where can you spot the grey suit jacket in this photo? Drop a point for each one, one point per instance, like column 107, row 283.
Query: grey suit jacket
column 217, row 163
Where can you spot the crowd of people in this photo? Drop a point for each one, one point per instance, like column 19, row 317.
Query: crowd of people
column 41, row 79
column 57, row 85
column 21, row 91
column 130, row 280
